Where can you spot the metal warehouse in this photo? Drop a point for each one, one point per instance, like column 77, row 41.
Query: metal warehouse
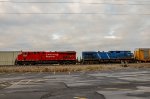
column 8, row 57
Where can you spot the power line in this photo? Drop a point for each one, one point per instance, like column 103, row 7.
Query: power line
column 73, row 2
column 77, row 13
column 51, row 13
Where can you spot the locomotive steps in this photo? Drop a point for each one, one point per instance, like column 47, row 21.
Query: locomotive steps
column 71, row 68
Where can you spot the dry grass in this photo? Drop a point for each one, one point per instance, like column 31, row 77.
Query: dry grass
column 71, row 68
column 140, row 65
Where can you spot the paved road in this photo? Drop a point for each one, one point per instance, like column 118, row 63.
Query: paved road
column 122, row 84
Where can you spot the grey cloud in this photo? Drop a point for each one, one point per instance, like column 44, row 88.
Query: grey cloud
column 74, row 32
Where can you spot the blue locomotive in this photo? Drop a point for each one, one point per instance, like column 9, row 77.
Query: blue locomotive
column 93, row 57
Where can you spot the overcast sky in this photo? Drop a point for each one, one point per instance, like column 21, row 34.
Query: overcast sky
column 123, row 25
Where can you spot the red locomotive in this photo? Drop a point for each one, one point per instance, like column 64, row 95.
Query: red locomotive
column 39, row 57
